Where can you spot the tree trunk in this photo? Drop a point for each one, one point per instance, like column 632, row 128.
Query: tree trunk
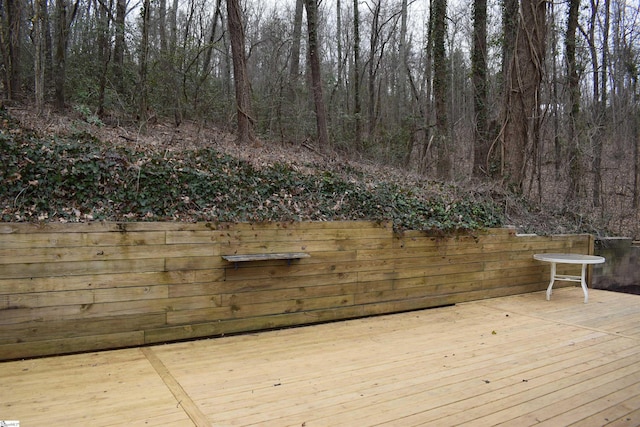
column 510, row 30
column 479, row 76
column 288, row 111
column 208, row 54
column 636, row 148
column 521, row 115
column 162, row 26
column 427, row 134
column 48, row 44
column 11, row 46
column 556, row 113
column 356, row 76
column 316, row 78
column 374, row 40
column 39, row 62
column 59, row 59
column 143, row 113
column 338, row 89
column 573, row 81
column 206, row 63
column 119, row 44
column 294, row 66
column 440, row 88
column 402, row 69
column 103, row 13
column 175, row 61
column 241, row 80
column 602, row 105
column 63, row 25
column 340, row 59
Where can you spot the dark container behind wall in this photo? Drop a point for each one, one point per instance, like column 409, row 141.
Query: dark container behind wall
column 621, row 271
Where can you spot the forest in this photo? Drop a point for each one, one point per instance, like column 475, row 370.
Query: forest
column 538, row 97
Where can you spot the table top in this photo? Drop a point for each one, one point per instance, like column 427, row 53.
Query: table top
column 570, row 258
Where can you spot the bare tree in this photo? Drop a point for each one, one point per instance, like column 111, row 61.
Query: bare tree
column 60, row 55
column 63, row 24
column 521, row 114
column 214, row 36
column 373, row 61
column 103, row 19
column 509, row 32
column 636, row 147
column 340, row 58
column 480, row 98
column 162, row 26
column 601, row 109
column 39, row 57
column 440, row 87
column 177, row 69
column 555, row 109
column 382, row 29
column 402, row 66
column 573, row 81
column 241, row 80
column 11, row 45
column 427, row 109
column 316, row 77
column 119, row 44
column 143, row 107
column 355, row 75
column 294, row 66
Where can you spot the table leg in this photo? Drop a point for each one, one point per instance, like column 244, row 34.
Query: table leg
column 553, row 277
column 583, row 283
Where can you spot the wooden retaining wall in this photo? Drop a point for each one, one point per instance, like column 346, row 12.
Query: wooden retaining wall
column 78, row 287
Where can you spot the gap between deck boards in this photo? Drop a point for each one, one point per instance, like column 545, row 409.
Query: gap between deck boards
column 182, row 397
column 487, row 304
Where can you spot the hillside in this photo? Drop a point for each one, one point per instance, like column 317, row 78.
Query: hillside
column 73, row 167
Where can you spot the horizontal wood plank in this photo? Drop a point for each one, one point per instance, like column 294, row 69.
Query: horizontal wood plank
column 198, row 277
column 265, row 256
column 510, row 361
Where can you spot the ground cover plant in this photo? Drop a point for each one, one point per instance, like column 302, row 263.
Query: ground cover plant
column 79, row 178
column 74, row 175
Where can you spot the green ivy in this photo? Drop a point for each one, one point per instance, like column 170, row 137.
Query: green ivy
column 80, row 178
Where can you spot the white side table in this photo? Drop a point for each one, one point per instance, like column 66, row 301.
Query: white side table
column 569, row 259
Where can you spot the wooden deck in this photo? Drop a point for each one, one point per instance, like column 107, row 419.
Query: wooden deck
column 517, row 361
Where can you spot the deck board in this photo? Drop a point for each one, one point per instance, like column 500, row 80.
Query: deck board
column 101, row 389
column 512, row 361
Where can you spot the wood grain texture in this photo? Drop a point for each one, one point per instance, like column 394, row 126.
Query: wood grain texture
column 517, row 360
column 108, row 285
column 266, row 256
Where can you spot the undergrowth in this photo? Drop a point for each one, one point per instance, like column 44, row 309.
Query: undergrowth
column 79, row 178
